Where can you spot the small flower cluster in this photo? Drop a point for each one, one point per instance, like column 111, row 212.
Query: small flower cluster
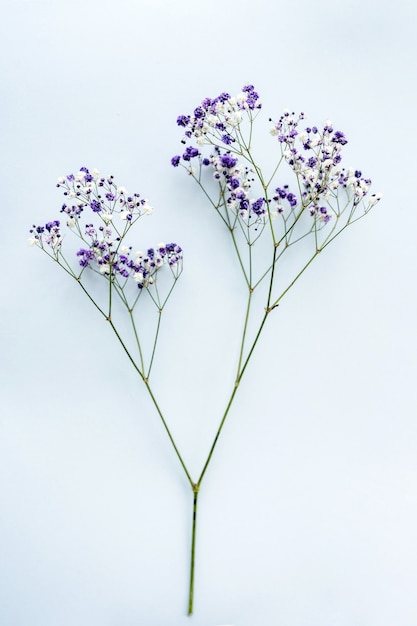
column 319, row 169
column 284, row 194
column 321, row 213
column 101, row 195
column 103, row 250
column 50, row 234
column 218, row 118
column 108, row 257
column 236, row 180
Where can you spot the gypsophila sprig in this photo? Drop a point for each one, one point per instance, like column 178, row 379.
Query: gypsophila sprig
column 315, row 197
column 100, row 214
column 300, row 203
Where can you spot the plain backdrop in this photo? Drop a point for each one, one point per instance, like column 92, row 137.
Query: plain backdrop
column 308, row 514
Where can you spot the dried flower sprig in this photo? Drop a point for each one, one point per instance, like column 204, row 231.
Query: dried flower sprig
column 319, row 202
column 323, row 200
column 100, row 215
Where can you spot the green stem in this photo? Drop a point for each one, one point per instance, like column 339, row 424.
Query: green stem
column 146, row 382
column 192, row 564
column 196, row 486
column 300, row 273
column 245, row 327
column 155, row 342
column 167, row 430
column 135, row 332
column 235, row 388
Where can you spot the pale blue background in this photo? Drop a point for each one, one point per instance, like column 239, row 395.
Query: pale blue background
column 308, row 515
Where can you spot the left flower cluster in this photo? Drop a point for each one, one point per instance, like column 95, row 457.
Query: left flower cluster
column 104, row 249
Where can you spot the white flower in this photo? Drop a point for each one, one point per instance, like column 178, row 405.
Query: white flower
column 106, row 217
column 138, row 277
column 105, row 268
column 121, row 190
column 33, row 241
column 234, row 119
column 61, row 180
column 376, row 197
column 147, row 208
column 220, row 108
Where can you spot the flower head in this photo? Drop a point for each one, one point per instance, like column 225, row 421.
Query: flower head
column 216, row 119
column 103, row 249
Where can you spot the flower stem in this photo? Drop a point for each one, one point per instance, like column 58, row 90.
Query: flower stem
column 192, row 564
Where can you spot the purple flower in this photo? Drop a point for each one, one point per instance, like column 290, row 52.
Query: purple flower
column 312, row 162
column 85, row 257
column 257, row 206
column 223, row 97
column 292, row 199
column 234, row 183
column 228, row 161
column 199, row 113
column 190, row 153
column 95, row 206
column 183, row 120
column 227, row 139
column 281, row 192
column 175, row 161
column 339, row 137
column 52, row 226
column 252, row 97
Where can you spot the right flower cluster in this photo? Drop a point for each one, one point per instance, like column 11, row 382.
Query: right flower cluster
column 319, row 167
column 313, row 155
